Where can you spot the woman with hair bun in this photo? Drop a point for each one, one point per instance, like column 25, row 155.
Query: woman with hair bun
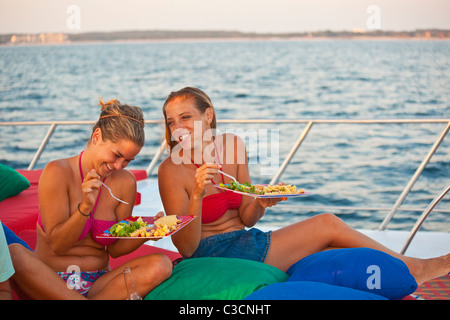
column 74, row 208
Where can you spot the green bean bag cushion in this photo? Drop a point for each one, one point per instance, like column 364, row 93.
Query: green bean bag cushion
column 216, row 279
column 11, row 182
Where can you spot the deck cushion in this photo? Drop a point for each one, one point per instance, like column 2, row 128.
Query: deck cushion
column 20, row 212
column 216, row 279
column 11, row 237
column 11, row 182
column 357, row 268
column 308, row 290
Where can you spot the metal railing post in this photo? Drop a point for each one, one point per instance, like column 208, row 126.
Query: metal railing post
column 414, row 178
column 42, row 146
column 292, row 153
column 423, row 217
column 156, row 158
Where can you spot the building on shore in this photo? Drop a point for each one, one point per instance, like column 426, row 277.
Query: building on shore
column 41, row 38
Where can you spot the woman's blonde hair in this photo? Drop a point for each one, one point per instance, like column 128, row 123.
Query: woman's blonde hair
column 201, row 102
column 121, row 122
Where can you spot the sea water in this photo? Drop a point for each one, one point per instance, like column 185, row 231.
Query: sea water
column 343, row 164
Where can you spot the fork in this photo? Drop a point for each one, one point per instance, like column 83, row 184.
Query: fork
column 112, row 195
column 110, row 192
column 229, row 177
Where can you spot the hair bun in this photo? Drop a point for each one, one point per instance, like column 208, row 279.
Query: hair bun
column 107, row 104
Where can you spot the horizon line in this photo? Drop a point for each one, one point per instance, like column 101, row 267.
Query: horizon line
column 354, row 30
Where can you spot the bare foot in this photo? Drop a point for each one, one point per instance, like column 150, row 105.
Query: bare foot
column 427, row 269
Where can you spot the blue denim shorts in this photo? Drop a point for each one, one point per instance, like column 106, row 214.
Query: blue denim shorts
column 251, row 244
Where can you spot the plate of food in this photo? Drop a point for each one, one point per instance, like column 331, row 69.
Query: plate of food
column 264, row 190
column 146, row 227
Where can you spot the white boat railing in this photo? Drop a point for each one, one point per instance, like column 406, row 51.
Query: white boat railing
column 422, row 218
column 301, row 138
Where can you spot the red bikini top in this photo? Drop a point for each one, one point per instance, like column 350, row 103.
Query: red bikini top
column 215, row 205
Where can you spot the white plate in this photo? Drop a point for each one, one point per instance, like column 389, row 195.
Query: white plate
column 265, row 195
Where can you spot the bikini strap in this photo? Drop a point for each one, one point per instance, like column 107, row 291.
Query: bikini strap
column 218, row 158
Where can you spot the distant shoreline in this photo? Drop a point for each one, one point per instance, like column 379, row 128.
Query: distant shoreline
column 193, row 40
column 210, row 36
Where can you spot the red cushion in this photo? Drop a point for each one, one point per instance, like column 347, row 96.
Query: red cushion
column 29, row 236
column 32, row 175
column 139, row 174
column 142, row 251
column 20, row 212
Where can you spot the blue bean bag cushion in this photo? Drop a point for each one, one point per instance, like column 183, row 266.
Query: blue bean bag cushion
column 11, row 237
column 308, row 290
column 357, row 268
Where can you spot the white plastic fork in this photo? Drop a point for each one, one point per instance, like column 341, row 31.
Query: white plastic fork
column 230, row 177
column 110, row 192
column 112, row 195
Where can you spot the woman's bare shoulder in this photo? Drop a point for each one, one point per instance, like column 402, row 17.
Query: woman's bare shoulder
column 171, row 174
column 57, row 170
column 167, row 167
column 123, row 176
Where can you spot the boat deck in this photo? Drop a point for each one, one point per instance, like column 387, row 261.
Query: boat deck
column 436, row 289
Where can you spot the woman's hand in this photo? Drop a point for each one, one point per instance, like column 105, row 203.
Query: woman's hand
column 159, row 215
column 269, row 202
column 203, row 177
column 90, row 187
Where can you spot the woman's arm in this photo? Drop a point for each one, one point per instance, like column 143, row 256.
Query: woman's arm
column 176, row 200
column 63, row 224
column 251, row 209
column 128, row 191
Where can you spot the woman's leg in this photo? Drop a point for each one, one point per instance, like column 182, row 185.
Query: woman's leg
column 34, row 279
column 325, row 231
column 147, row 272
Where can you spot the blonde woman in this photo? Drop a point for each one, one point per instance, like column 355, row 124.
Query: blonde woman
column 225, row 219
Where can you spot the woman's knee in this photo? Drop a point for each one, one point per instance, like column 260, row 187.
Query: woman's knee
column 20, row 256
column 331, row 221
column 159, row 264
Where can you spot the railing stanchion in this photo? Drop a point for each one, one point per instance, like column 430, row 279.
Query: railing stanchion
column 414, row 178
column 42, row 146
column 294, row 149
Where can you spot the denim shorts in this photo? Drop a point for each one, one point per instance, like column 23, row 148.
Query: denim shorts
column 251, row 244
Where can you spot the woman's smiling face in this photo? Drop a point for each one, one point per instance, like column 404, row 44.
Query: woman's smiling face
column 111, row 155
column 186, row 123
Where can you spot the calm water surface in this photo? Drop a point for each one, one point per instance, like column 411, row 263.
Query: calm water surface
column 344, row 165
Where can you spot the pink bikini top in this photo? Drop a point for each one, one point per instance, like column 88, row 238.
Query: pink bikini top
column 94, row 226
column 215, row 205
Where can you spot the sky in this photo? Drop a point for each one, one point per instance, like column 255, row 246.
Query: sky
column 36, row 16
